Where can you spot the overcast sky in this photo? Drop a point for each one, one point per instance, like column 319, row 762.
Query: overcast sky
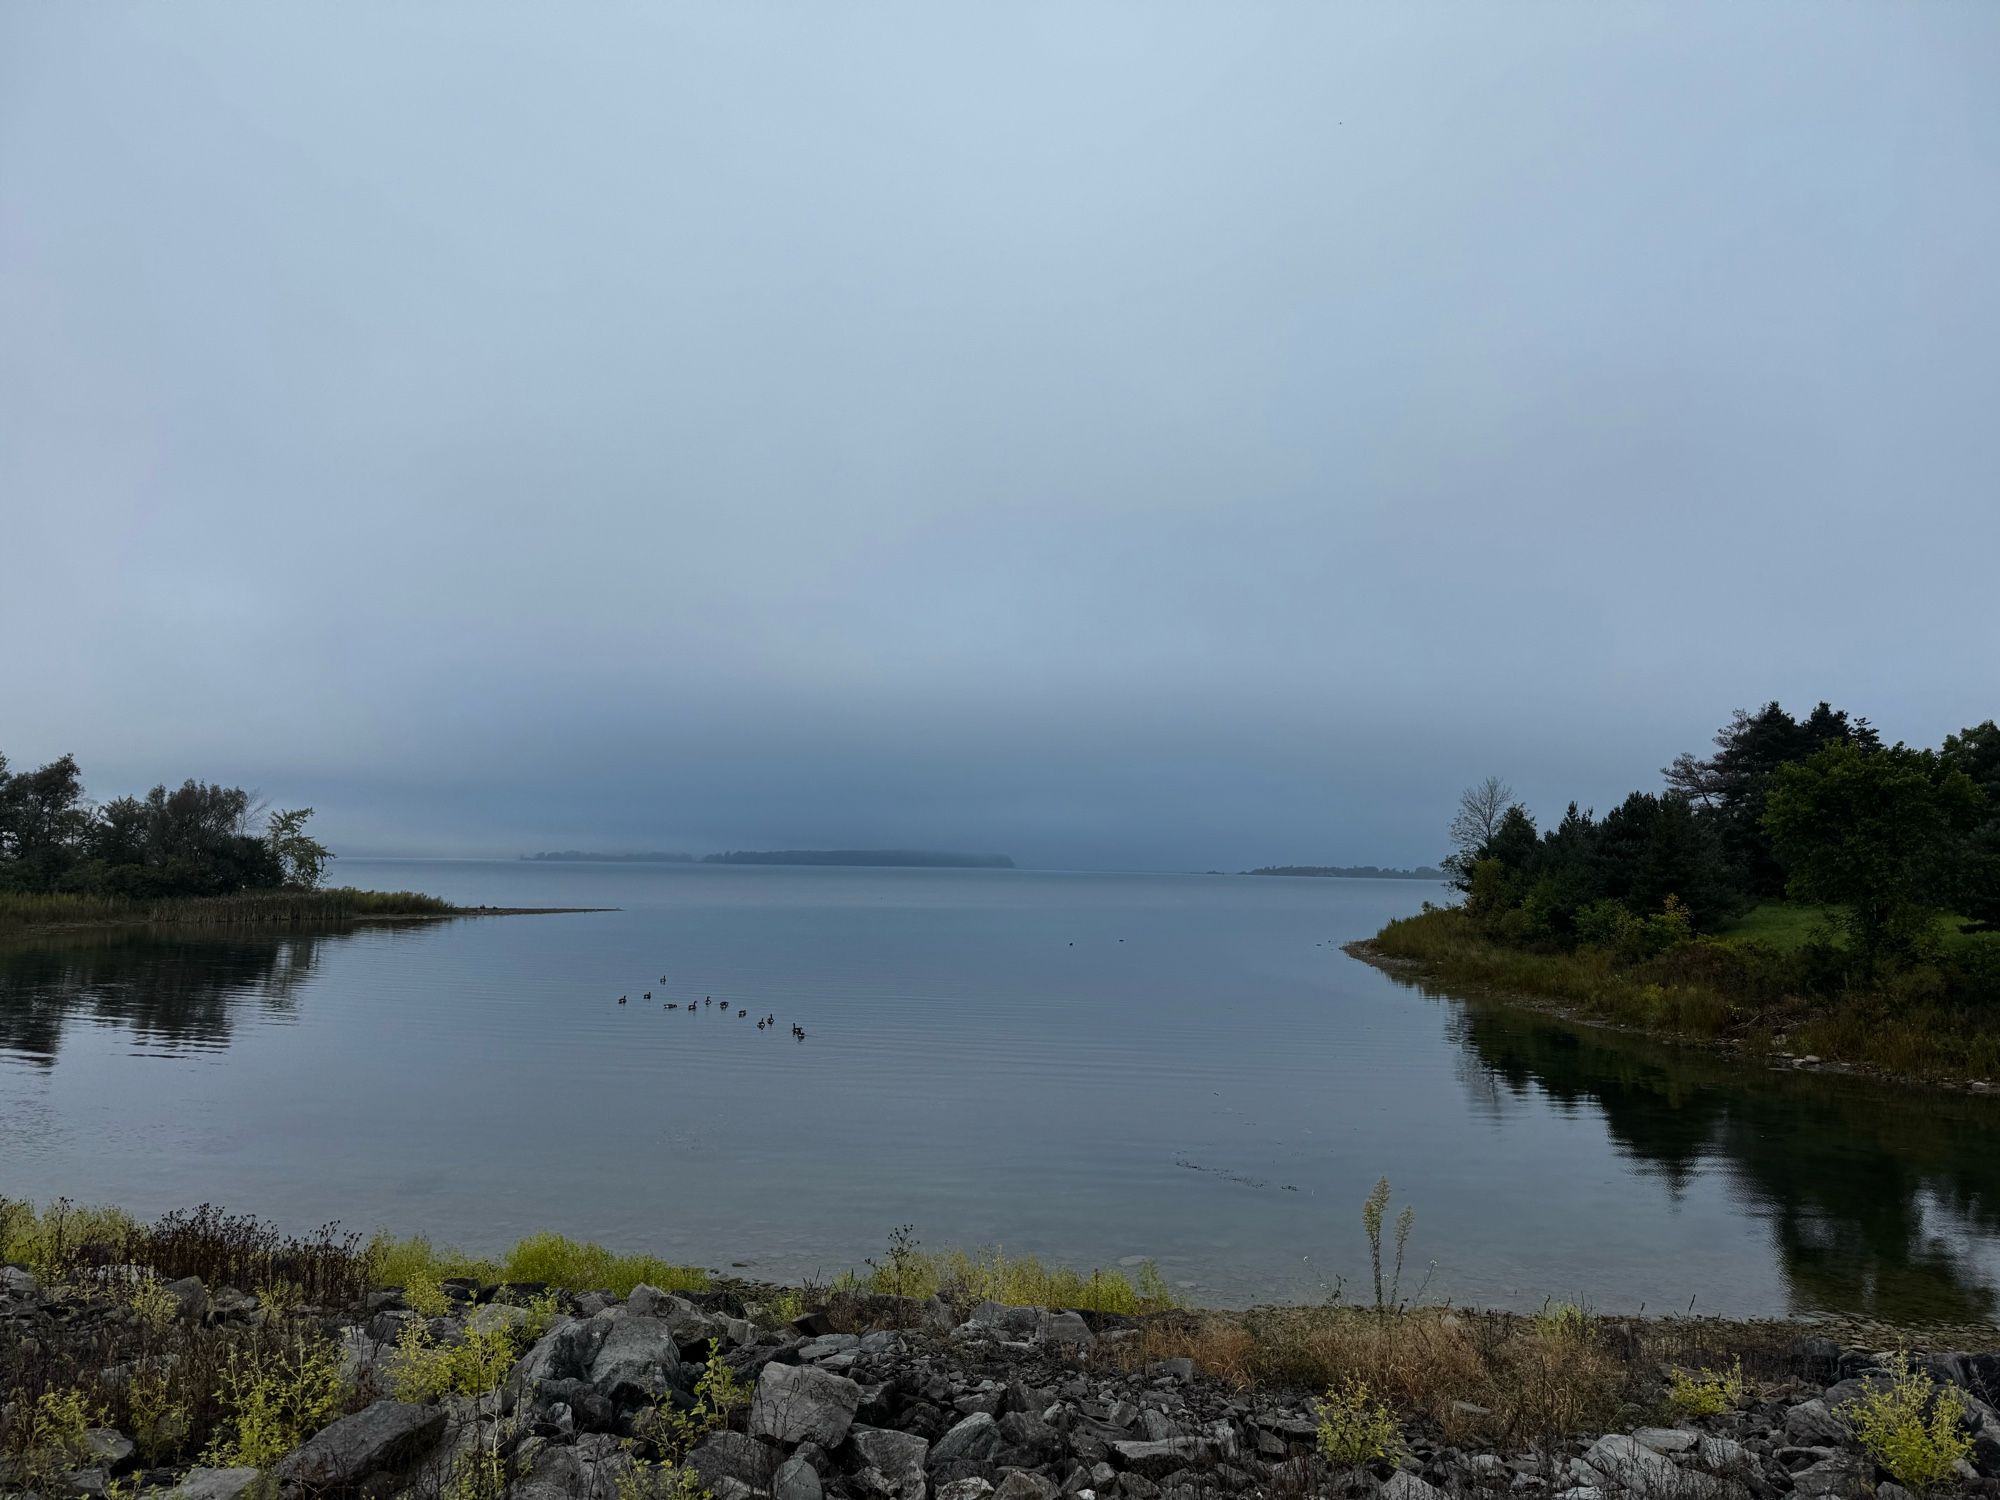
column 1120, row 435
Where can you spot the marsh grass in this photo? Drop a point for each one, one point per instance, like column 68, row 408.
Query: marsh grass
column 19, row 909
column 1743, row 992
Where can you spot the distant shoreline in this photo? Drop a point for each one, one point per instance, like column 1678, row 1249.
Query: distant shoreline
column 1349, row 872
column 340, row 907
column 899, row 859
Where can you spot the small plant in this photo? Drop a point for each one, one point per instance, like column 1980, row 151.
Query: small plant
column 717, row 1393
column 274, row 1400
column 279, row 1298
column 660, row 1481
column 1704, row 1393
column 542, row 1310
column 160, row 1424
column 57, row 1441
column 1565, row 1323
column 1914, row 1427
column 787, row 1305
column 1376, row 1204
column 423, row 1371
column 1355, row 1428
column 153, row 1306
column 425, row 1294
column 899, row 1272
column 482, row 1471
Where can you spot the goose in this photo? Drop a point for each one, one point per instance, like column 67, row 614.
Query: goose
column 621, row 999
column 673, row 1005
column 741, row 1014
column 647, row 996
column 760, row 1025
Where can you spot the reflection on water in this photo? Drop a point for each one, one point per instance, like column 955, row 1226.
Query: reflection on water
column 174, row 990
column 1880, row 1201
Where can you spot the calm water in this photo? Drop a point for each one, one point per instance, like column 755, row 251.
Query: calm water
column 1090, row 1067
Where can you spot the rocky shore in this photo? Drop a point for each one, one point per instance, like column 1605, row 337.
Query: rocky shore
column 662, row 1397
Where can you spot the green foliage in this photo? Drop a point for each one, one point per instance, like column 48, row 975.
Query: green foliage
column 471, row 1365
column 159, row 1423
column 1016, row 1281
column 274, row 1399
column 1372, row 1210
column 153, row 1306
column 425, row 1295
column 301, row 857
column 50, row 1239
column 1705, row 1393
column 1914, row 1427
column 551, row 1259
column 1565, row 1323
column 1355, row 1428
column 55, row 1441
column 646, row 1480
column 786, row 1306
column 717, row 1393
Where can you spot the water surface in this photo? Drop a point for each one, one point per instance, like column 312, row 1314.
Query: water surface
column 1089, row 1067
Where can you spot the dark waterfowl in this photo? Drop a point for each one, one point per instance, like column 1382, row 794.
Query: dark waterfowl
column 621, row 999
column 647, row 996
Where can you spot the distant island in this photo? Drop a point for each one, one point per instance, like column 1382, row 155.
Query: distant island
column 925, row 859
column 915, row 858
column 1351, row 872
column 583, row 856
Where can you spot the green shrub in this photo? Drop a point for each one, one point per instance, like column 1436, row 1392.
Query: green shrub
column 274, row 1400
column 1914, row 1427
column 1565, row 1323
column 55, row 1439
column 476, row 1363
column 1355, row 1428
column 1705, row 1393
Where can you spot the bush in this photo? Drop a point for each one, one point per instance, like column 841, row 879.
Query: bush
column 421, row 1370
column 1913, row 1427
column 1705, row 1393
column 1355, row 1428
column 273, row 1400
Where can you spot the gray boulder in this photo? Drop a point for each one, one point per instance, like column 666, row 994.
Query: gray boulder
column 1403, row 1485
column 734, row 1455
column 215, row 1484
column 1830, row 1477
column 976, row 1439
column 1156, row 1460
column 637, row 1360
column 798, row 1403
column 190, row 1296
column 1812, row 1424
column 16, row 1282
column 1023, row 1485
column 591, row 1466
column 376, row 1439
column 965, row 1489
column 796, row 1480
column 1065, row 1328
column 898, row 1457
column 108, row 1449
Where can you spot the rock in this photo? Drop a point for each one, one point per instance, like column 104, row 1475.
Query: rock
column 563, row 1353
column 375, row 1439
column 965, row 1489
column 796, row 1480
column 798, row 1403
column 733, row 1455
column 1631, row 1466
column 1667, row 1440
column 1023, row 1485
column 1064, row 1328
column 1157, row 1427
column 1812, row 1424
column 16, row 1282
column 215, row 1484
column 108, row 1449
column 592, row 1465
column 1156, row 1460
column 1016, row 1320
column 1720, row 1453
column 496, row 1317
column 976, row 1439
column 1180, row 1368
column 898, row 1456
column 190, row 1297
column 1029, row 1441
column 646, row 1301
column 1836, row 1476
column 728, row 1487
column 1403, row 1485
column 637, row 1360
column 86, row 1482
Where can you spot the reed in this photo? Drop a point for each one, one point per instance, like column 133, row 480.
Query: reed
column 26, row 909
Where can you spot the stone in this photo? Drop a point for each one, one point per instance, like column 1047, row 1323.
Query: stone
column 796, row 1480
column 1015, row 1320
column 1065, row 1328
column 1029, row 1440
column 729, row 1487
column 976, row 1439
column 1156, row 1460
column 1720, row 1453
column 733, row 1455
column 592, row 1465
column 1180, row 1368
column 1403, row 1485
column 86, row 1482
column 1669, row 1440
column 190, row 1296
column 108, row 1449
column 16, row 1282
column 798, row 1403
column 1023, row 1485
column 215, row 1484
column 1812, row 1424
column 965, row 1489
column 1157, row 1427
column 637, row 1360
column 376, row 1438
column 898, row 1456
column 1631, row 1466
column 496, row 1317
column 1836, row 1476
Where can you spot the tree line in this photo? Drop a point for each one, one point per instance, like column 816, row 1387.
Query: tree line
column 199, row 839
column 1893, row 841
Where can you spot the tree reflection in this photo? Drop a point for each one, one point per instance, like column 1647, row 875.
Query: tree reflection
column 175, row 991
column 1878, row 1197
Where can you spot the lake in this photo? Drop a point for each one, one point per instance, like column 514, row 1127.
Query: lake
column 1093, row 1068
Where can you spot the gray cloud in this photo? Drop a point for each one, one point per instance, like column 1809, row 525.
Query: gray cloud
column 1126, row 434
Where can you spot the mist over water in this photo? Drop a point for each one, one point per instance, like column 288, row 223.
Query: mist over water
column 1089, row 1067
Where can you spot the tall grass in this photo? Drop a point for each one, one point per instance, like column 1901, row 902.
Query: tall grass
column 992, row 1275
column 20, row 909
column 552, row 1259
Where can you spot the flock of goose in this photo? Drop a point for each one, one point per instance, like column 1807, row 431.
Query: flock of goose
column 764, row 1023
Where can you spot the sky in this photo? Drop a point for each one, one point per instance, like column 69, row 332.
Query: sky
column 1123, row 436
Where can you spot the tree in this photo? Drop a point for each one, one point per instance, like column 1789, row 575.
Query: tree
column 1976, row 751
column 1481, row 810
column 1878, row 833
column 301, row 857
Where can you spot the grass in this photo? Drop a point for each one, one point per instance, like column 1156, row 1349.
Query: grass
column 1786, row 927
column 1734, row 990
column 991, row 1275
column 553, row 1260
column 20, row 909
